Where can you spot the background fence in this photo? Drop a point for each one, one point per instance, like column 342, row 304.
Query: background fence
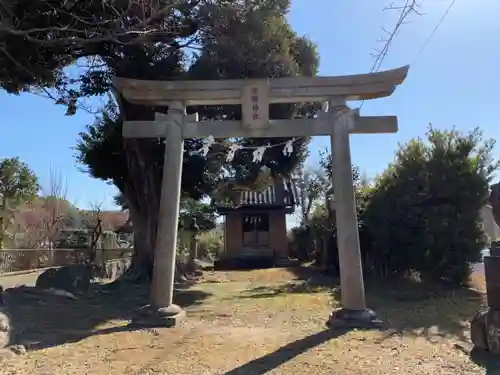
column 12, row 260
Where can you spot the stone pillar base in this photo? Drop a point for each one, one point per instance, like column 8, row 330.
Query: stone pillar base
column 151, row 317
column 345, row 318
column 5, row 330
column 485, row 330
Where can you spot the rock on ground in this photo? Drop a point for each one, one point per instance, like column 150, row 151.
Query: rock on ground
column 11, row 352
column 75, row 278
column 478, row 333
column 5, row 329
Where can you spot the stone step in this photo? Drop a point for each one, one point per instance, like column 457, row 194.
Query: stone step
column 287, row 262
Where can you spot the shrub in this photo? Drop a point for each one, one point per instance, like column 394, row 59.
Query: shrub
column 210, row 244
column 299, row 239
column 306, row 240
column 423, row 213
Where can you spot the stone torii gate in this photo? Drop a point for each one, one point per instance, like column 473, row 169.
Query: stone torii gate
column 255, row 95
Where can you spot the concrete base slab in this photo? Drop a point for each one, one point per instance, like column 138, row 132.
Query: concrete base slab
column 345, row 318
column 152, row 317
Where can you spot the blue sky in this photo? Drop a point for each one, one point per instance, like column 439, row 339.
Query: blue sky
column 454, row 82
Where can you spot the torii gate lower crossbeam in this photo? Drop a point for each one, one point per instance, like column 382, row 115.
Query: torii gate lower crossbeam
column 174, row 127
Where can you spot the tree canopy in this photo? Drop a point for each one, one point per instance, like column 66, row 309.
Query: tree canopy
column 430, row 197
column 40, row 38
column 238, row 41
column 18, row 185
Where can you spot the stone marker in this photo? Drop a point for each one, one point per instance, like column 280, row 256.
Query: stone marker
column 485, row 326
column 492, row 276
column 5, row 326
column 478, row 330
column 495, row 249
column 493, row 330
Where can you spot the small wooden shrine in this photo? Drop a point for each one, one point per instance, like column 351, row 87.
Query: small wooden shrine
column 257, row 223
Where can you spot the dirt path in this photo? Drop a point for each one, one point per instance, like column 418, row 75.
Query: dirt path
column 260, row 322
column 23, row 279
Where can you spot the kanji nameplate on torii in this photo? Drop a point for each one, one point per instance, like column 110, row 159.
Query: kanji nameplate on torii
column 255, row 103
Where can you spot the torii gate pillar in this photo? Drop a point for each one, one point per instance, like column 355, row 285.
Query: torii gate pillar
column 355, row 313
column 162, row 311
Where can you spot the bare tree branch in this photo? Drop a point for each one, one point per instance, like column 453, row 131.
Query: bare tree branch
column 96, row 223
column 55, row 206
column 78, row 31
column 409, row 7
column 41, row 221
column 313, row 186
column 124, row 22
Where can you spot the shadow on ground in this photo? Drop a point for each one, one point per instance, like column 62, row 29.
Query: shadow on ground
column 286, row 353
column 406, row 307
column 490, row 362
column 43, row 321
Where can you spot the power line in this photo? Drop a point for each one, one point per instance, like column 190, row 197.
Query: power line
column 434, row 31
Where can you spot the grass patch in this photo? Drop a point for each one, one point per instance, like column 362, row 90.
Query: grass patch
column 256, row 322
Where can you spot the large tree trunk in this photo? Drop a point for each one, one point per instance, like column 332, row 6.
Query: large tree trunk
column 142, row 192
column 141, row 269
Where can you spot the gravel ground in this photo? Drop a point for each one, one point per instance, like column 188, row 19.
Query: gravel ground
column 28, row 279
column 254, row 322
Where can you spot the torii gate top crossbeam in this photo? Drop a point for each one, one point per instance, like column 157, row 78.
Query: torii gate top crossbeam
column 281, row 90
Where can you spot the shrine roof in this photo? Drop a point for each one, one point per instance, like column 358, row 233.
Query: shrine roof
column 277, row 195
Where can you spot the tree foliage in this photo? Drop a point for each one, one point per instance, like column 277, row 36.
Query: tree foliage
column 135, row 165
column 424, row 212
column 360, row 184
column 40, row 38
column 256, row 41
column 18, row 185
column 203, row 213
column 317, row 236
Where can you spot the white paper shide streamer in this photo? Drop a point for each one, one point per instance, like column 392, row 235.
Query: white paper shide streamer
column 207, row 143
column 257, row 155
column 288, row 149
column 232, row 151
column 343, row 114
